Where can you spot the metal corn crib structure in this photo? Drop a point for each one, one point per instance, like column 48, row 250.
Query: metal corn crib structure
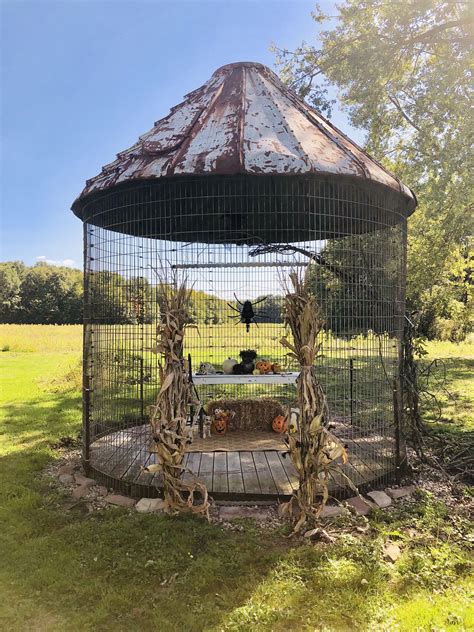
column 239, row 185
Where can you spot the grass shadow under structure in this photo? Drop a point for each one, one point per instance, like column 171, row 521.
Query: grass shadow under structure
column 116, row 569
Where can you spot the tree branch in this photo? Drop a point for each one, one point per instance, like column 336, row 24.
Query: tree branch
column 440, row 28
column 396, row 103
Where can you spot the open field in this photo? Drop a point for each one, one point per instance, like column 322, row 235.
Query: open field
column 125, row 571
column 206, row 341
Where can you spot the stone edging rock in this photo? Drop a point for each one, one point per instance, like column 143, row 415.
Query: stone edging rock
column 72, row 476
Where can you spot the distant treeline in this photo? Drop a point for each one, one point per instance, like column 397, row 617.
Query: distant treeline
column 355, row 284
column 46, row 294
column 41, row 294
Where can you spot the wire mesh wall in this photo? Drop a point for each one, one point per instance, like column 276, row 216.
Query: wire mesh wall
column 235, row 239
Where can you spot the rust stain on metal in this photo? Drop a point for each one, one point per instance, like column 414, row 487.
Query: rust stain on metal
column 243, row 121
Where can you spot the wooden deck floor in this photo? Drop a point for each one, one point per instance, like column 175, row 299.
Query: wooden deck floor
column 121, row 456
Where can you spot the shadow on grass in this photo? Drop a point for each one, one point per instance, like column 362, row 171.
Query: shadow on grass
column 121, row 570
column 130, row 571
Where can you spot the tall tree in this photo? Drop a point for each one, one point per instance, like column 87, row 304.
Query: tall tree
column 403, row 71
column 51, row 295
column 11, row 274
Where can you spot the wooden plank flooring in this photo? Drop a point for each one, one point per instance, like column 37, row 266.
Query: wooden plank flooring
column 206, row 469
column 234, row 473
column 264, row 474
column 249, row 474
column 239, row 475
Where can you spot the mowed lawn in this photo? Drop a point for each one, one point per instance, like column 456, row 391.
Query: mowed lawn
column 119, row 570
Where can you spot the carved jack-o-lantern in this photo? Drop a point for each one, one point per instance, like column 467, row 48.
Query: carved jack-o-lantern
column 219, row 425
column 264, row 366
column 221, row 420
column 279, row 424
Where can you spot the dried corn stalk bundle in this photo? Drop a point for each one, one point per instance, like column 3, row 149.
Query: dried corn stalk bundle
column 313, row 448
column 168, row 418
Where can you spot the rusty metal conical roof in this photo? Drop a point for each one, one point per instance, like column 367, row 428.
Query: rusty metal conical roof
column 243, row 121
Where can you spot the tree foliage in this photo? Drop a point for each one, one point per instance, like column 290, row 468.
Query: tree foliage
column 356, row 287
column 40, row 294
column 46, row 294
column 11, row 275
column 403, row 72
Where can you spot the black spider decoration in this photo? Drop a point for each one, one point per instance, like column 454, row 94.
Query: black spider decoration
column 246, row 313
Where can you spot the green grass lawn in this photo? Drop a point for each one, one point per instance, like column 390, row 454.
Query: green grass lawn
column 66, row 570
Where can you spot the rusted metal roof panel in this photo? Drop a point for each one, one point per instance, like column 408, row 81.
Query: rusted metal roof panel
column 243, row 121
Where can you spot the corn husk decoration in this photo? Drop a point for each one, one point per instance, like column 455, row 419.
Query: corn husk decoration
column 169, row 414
column 313, row 448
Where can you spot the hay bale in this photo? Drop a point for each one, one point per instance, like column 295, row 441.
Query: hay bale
column 250, row 414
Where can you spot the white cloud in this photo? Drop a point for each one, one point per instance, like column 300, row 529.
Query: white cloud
column 68, row 263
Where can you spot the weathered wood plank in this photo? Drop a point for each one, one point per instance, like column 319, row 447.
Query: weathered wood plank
column 207, row 463
column 135, row 467
column 249, row 474
column 206, row 469
column 236, row 483
column 233, row 462
column 220, row 482
column 193, row 463
column 145, row 478
column 104, row 451
column 360, row 454
column 100, row 456
column 234, row 473
column 267, row 485
column 220, row 462
column 123, row 454
column 282, row 482
column 128, row 456
column 289, row 469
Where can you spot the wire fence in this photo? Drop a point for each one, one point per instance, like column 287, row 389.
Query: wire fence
column 235, row 239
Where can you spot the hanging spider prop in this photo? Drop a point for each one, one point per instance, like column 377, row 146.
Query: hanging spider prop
column 245, row 311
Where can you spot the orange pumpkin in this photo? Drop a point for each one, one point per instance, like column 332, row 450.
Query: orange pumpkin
column 279, row 424
column 264, row 366
column 222, row 420
column 219, row 425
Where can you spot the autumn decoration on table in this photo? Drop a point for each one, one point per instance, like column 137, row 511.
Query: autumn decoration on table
column 206, row 368
column 314, row 450
column 263, row 366
column 247, row 364
column 169, row 414
column 228, row 365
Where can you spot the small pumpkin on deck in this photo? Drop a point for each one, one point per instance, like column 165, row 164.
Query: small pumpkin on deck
column 219, row 425
column 221, row 420
column 279, row 424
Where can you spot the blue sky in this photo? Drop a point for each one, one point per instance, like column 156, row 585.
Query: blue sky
column 82, row 80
